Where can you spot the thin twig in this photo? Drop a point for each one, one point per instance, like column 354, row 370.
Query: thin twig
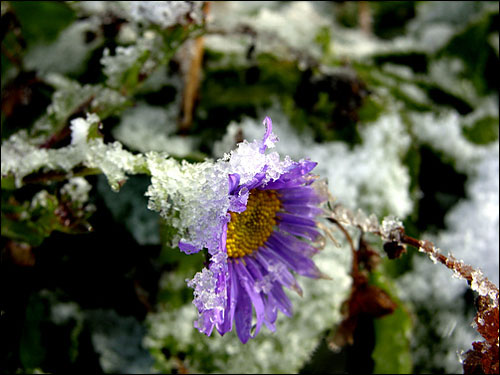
column 351, row 243
column 193, row 80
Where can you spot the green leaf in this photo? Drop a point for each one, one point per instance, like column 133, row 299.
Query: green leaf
column 31, row 349
column 392, row 334
column 42, row 20
column 32, row 224
column 483, row 131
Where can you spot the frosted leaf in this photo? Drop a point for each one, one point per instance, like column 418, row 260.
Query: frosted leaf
column 20, row 157
column 68, row 98
column 77, row 188
column 71, row 43
column 40, row 199
column 144, row 55
column 165, row 13
column 80, row 128
column 280, row 28
column 444, row 132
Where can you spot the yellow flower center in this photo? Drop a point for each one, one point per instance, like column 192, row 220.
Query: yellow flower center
column 247, row 231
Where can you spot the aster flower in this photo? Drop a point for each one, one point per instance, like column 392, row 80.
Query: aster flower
column 265, row 235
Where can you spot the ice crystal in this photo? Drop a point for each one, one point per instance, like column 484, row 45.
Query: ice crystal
column 247, row 160
column 479, row 284
column 391, row 228
column 193, row 197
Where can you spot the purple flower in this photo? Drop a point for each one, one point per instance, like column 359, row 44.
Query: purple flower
column 265, row 237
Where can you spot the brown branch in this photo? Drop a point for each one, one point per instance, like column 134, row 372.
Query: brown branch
column 192, row 80
column 351, row 243
column 43, row 177
column 483, row 357
column 365, row 17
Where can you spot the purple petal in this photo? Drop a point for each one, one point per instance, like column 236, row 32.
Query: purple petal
column 299, row 263
column 284, row 184
column 238, row 202
column 187, row 247
column 275, row 297
column 299, row 169
column 297, row 196
column 256, row 180
column 243, row 316
column 260, row 275
column 232, row 297
column 295, row 220
column 294, row 177
column 234, row 181
column 303, row 210
column 271, row 313
column 296, row 245
column 281, row 300
column 207, row 324
column 304, row 231
column 269, row 128
column 247, row 282
column 275, row 266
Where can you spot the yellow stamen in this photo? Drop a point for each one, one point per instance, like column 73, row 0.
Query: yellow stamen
column 249, row 230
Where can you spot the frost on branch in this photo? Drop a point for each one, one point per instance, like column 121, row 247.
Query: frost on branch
column 483, row 357
column 20, row 157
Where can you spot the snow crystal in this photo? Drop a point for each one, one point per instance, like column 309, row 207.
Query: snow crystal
column 390, row 228
column 77, row 188
column 192, row 197
column 80, row 128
